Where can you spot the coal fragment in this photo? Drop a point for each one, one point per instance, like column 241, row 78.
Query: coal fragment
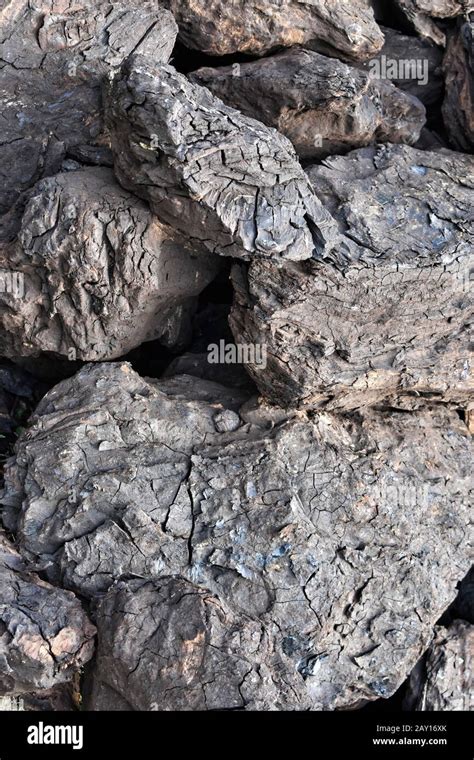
column 424, row 16
column 53, row 60
column 322, row 105
column 387, row 320
column 219, row 27
column 218, row 176
column 100, row 273
column 45, row 635
column 319, row 530
column 413, row 64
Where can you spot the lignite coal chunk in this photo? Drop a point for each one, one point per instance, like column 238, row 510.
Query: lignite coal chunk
column 247, row 226
column 220, row 177
column 413, row 64
column 389, row 319
column 45, row 635
column 53, row 59
column 322, row 105
column 324, row 547
column 220, row 27
column 100, row 274
column 189, row 652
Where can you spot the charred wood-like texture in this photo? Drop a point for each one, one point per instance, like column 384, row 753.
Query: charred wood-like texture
column 53, row 59
column 222, row 178
column 101, row 274
column 308, row 544
column 443, row 679
column 388, row 320
column 322, row 105
column 458, row 106
column 220, row 27
column 45, row 635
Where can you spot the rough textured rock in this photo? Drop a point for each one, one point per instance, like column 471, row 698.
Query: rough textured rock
column 413, row 64
column 443, row 680
column 219, row 27
column 322, row 105
column 45, row 635
column 220, row 177
column 188, row 652
column 101, row 274
column 53, row 58
column 458, row 66
column 389, row 318
column 422, row 14
column 325, row 547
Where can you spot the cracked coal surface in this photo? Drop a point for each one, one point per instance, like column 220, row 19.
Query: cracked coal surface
column 236, row 388
column 315, row 530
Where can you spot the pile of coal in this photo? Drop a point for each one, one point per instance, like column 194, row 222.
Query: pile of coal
column 236, row 387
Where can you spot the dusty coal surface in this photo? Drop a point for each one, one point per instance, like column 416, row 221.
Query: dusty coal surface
column 236, row 389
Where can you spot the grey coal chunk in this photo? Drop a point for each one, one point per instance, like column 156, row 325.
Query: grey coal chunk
column 220, row 177
column 389, row 319
column 458, row 66
column 322, row 105
column 220, row 27
column 414, row 64
column 99, row 273
column 45, row 635
column 320, row 547
column 53, row 59
column 424, row 15
column 125, row 506
column 442, row 681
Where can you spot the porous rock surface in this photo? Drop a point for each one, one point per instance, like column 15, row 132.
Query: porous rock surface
column 101, row 274
column 222, row 178
column 321, row 104
column 54, row 57
column 219, row 27
column 443, row 680
column 45, row 635
column 292, row 561
column 388, row 318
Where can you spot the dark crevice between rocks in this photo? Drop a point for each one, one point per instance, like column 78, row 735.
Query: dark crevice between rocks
column 210, row 324
column 186, row 60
